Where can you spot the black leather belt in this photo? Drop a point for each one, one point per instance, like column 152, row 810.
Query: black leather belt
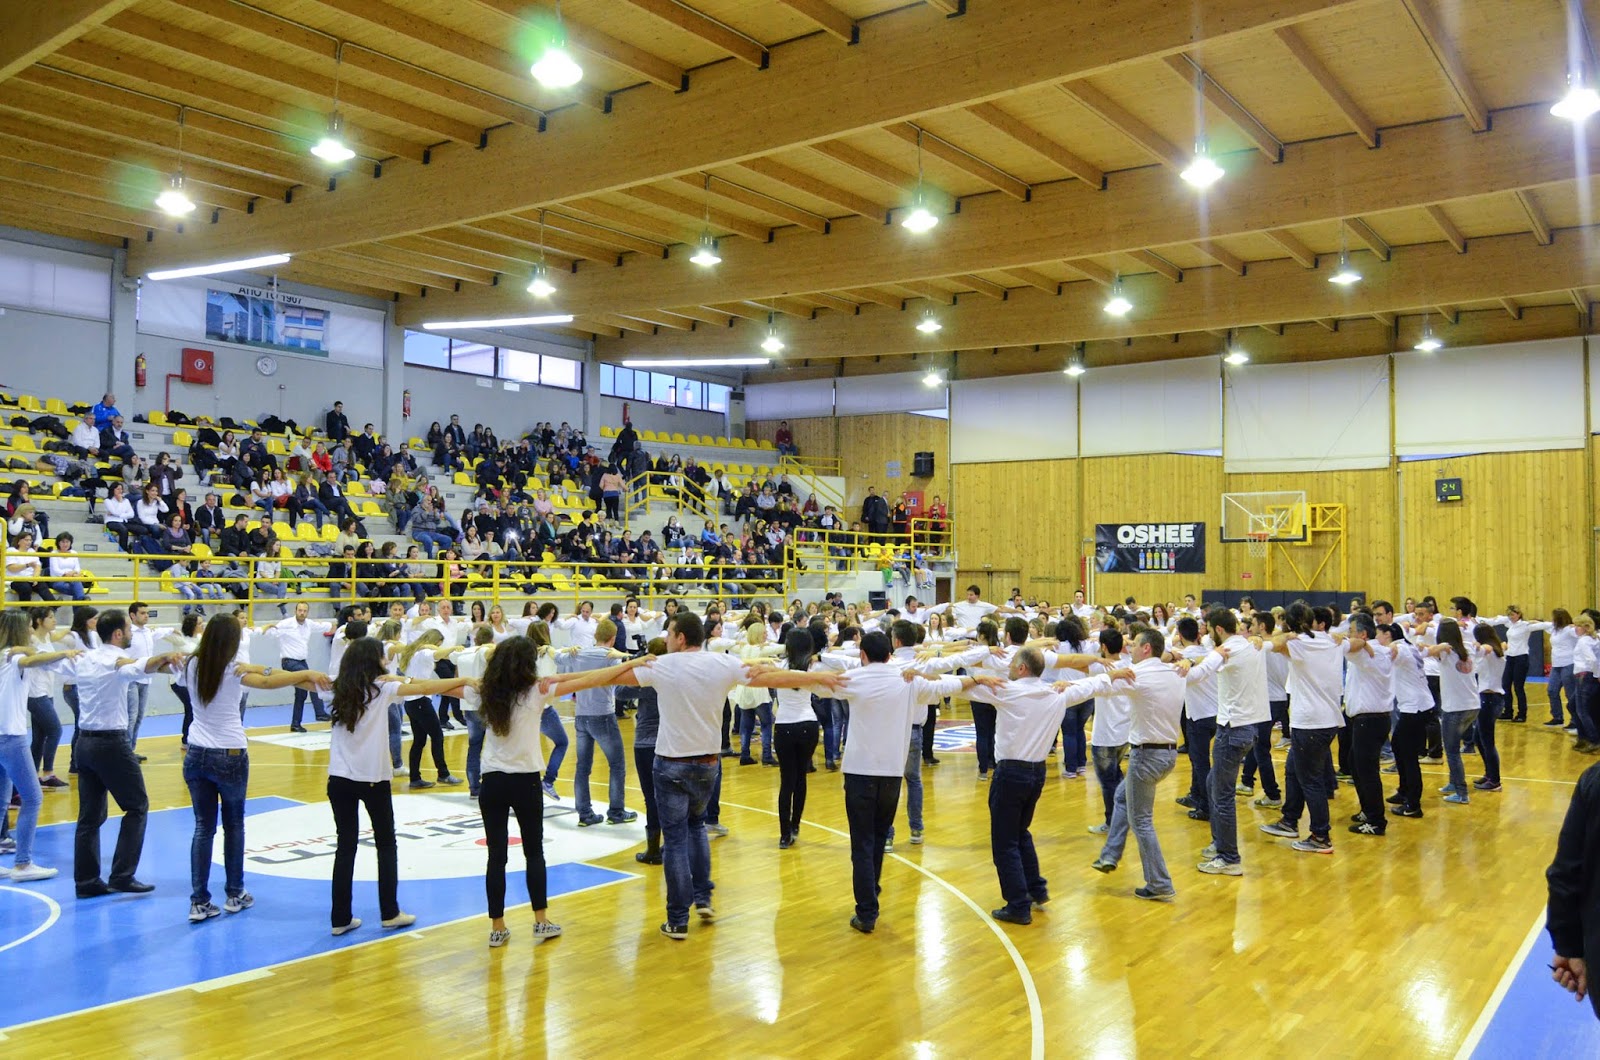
column 1155, row 747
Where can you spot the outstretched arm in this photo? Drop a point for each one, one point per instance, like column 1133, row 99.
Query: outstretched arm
column 775, row 678
column 621, row 674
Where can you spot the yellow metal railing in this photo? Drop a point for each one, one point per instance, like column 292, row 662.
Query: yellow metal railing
column 810, row 465
column 686, row 498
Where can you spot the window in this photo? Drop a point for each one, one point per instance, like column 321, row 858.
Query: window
column 641, row 386
column 560, row 372
column 663, row 389
column 473, row 357
column 716, row 397
column 689, row 393
column 519, row 366
column 430, row 351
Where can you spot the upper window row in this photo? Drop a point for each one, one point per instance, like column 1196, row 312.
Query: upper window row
column 660, row 388
column 474, row 358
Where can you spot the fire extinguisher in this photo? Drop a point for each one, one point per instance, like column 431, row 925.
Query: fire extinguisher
column 405, row 405
column 138, row 372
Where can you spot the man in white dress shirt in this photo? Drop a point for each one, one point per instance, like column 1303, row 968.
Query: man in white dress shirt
column 1155, row 700
column 1316, row 670
column 141, row 645
column 294, row 648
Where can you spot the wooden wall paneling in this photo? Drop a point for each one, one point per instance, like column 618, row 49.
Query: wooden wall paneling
column 1019, row 516
column 1154, row 488
column 1370, row 535
column 864, row 444
column 813, row 436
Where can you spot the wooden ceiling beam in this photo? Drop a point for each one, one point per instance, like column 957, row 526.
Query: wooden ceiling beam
column 664, row 231
column 348, row 259
column 929, row 291
column 525, row 231
column 1092, row 270
column 1035, row 278
column 742, row 310
column 131, row 187
column 46, row 200
column 1329, row 323
column 704, row 315
column 987, row 288
column 848, row 201
column 948, row 7
column 1388, row 320
column 830, row 301
column 1342, row 100
column 36, row 29
column 442, row 266
column 19, row 215
column 601, row 234
column 619, row 323
column 1365, row 235
column 1536, row 219
column 1152, row 260
column 1417, row 277
column 755, row 200
column 1512, row 307
column 867, row 165
column 517, row 256
column 443, row 251
column 1580, row 300
column 1447, row 227
column 817, row 89
column 105, row 165
column 339, row 280
column 1292, row 246
column 720, row 220
column 602, row 46
column 877, row 297
column 1122, row 120
column 793, row 307
column 1221, row 255
column 596, row 328
column 663, row 319
column 830, row 18
column 1220, row 98
column 965, row 161
column 990, row 114
column 1455, row 73
column 707, row 29
column 1451, row 314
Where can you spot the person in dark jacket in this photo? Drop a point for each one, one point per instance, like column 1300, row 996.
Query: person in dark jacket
column 338, row 425
column 1573, row 916
column 875, row 514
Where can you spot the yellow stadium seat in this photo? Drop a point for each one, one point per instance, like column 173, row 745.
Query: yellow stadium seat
column 99, row 590
column 275, row 446
column 648, row 436
column 183, row 438
column 329, row 531
column 547, row 557
column 693, row 439
column 167, row 585
column 608, row 431
column 677, row 439
column 29, row 402
column 764, row 444
column 356, row 488
column 370, row 508
column 415, row 443
column 56, row 407
column 461, row 478
column 306, row 530
column 200, row 550
column 24, row 443
column 158, row 419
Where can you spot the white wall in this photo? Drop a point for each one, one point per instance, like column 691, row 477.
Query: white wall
column 437, row 394
column 648, row 417
column 35, row 347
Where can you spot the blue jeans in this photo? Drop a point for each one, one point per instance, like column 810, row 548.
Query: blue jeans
column 1135, row 807
column 1305, row 777
column 397, row 717
column 600, row 729
column 138, row 696
column 550, row 726
column 913, row 775
column 1560, row 680
column 16, row 762
column 1201, row 733
column 1231, row 745
column 72, row 590
column 1072, row 745
column 1260, row 759
column 319, row 508
column 295, row 666
column 214, row 776
column 683, row 790
column 828, row 715
column 431, row 541
column 475, row 731
column 1108, row 770
column 1014, row 791
column 748, row 716
column 1587, row 702
column 1454, row 724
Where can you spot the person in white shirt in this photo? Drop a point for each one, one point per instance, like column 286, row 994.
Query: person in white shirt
column 294, row 644
column 1200, row 710
column 691, row 685
column 1241, row 703
column 884, row 701
column 1029, row 716
column 1108, row 740
column 470, row 663
column 106, row 762
column 1154, row 703
column 1369, row 698
column 359, row 774
column 1563, row 637
column 18, row 660
column 141, row 645
column 1424, row 632
column 1458, row 700
column 1517, row 632
column 455, row 632
column 1316, row 670
column 1264, row 625
column 70, row 582
column 974, row 609
column 1489, row 663
column 579, row 627
column 216, row 766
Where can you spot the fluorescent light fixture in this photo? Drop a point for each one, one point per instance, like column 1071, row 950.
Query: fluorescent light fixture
column 221, row 266
column 1075, row 369
column 540, row 286
column 1118, row 305
column 933, row 378
column 705, row 254
column 1346, row 274
column 1236, row 357
column 501, row 322
column 1203, row 171
column 1580, row 101
column 173, row 199
column 772, row 344
column 928, row 325
column 332, row 148
column 697, row 362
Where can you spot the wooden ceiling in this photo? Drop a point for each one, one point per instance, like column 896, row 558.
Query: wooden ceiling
column 1415, row 135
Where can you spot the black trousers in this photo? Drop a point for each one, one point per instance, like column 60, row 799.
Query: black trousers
column 1515, row 678
column 1432, row 737
column 869, row 805
column 106, row 765
column 644, row 761
column 425, row 729
column 444, row 670
column 1013, row 794
column 727, row 721
column 929, row 730
column 345, row 798
column 983, row 716
column 1407, row 746
column 796, row 743
column 1305, row 777
column 1201, row 732
column 499, row 796
column 1367, row 734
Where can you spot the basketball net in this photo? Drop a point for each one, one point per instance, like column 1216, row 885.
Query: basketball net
column 1257, row 543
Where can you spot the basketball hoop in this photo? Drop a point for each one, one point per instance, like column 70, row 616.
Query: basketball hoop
column 1257, row 542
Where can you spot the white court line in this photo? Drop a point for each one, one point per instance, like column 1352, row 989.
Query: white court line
column 230, row 980
column 55, row 914
column 1492, row 1006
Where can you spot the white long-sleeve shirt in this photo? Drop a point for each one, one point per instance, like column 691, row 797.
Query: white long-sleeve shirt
column 1200, row 699
column 1369, row 690
column 294, row 636
column 1562, row 641
column 1241, row 682
column 1028, row 714
column 142, row 645
column 883, row 705
column 103, row 688
column 1516, row 633
column 1153, row 701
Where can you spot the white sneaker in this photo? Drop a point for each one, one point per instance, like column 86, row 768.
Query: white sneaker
column 916, row 837
column 29, row 873
column 1218, row 867
column 355, row 922
column 239, row 903
column 498, row 937
column 549, row 929
column 199, row 911
column 1100, row 829
column 399, row 920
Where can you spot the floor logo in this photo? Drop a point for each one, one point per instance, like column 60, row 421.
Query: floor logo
column 955, row 736
column 439, row 837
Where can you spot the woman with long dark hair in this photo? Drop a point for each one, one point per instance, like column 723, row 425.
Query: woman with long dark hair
column 1489, row 666
column 1458, row 703
column 17, row 657
column 512, row 698
column 1563, row 639
column 216, row 766
column 82, row 638
column 417, row 660
column 359, row 774
column 795, row 732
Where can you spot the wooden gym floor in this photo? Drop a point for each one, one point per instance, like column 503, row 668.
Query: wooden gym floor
column 1390, row 946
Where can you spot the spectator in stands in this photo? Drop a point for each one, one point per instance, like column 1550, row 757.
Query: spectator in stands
column 365, row 443
column 435, row 436
column 70, row 581
column 22, row 563
column 339, row 457
column 174, row 541
column 784, row 487
column 338, row 426
column 149, row 518
column 766, row 504
column 784, row 439
column 235, row 540
column 105, row 411
column 480, row 441
column 209, row 519
column 164, row 476
column 333, row 499
column 456, row 433
column 134, row 475
column 22, row 498
column 269, row 576
column 875, row 514
column 179, row 506
column 745, row 509
column 428, row 528
column 119, row 514
column 262, row 535
column 85, row 441
column 900, row 516
column 447, row 455
column 254, row 453
column 611, row 493
column 937, row 516
column 627, row 439
column 306, row 499
column 320, row 460
column 114, row 441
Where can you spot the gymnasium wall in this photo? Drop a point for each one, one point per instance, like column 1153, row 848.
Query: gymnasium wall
column 648, row 417
column 33, row 345
column 866, row 444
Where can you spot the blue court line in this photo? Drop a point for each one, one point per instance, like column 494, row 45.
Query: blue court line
column 106, row 950
column 1536, row 1018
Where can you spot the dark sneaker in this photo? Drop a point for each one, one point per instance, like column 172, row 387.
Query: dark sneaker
column 1281, row 829
column 418, row 785
column 1186, row 801
column 676, row 932
column 1396, row 799
column 1367, row 829
column 451, row 780
column 590, row 820
column 1199, row 815
column 1006, row 916
column 861, row 925
column 1103, row 865
column 1486, row 784
column 1313, row 845
column 199, row 911
column 1154, row 896
column 1408, row 811
column 623, row 818
column 1358, row 818
column 1554, row 724
column 1039, row 901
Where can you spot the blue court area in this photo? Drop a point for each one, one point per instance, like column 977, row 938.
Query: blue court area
column 1538, row 1019
column 105, row 950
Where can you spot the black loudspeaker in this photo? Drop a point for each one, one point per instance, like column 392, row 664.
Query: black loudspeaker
column 922, row 465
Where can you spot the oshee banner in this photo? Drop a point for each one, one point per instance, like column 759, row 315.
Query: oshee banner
column 1150, row 548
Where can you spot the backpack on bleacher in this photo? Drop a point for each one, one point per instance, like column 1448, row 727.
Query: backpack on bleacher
column 207, row 436
column 179, row 418
column 49, row 425
column 273, row 425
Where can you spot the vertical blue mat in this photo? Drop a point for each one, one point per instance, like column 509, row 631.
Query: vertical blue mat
column 111, row 949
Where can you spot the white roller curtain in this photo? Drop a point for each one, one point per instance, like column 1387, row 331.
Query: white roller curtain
column 1490, row 399
column 1020, row 417
column 54, row 281
column 862, row 395
column 1322, row 416
column 785, row 401
column 1169, row 407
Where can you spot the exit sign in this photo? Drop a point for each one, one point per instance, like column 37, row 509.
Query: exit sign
column 1447, row 489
